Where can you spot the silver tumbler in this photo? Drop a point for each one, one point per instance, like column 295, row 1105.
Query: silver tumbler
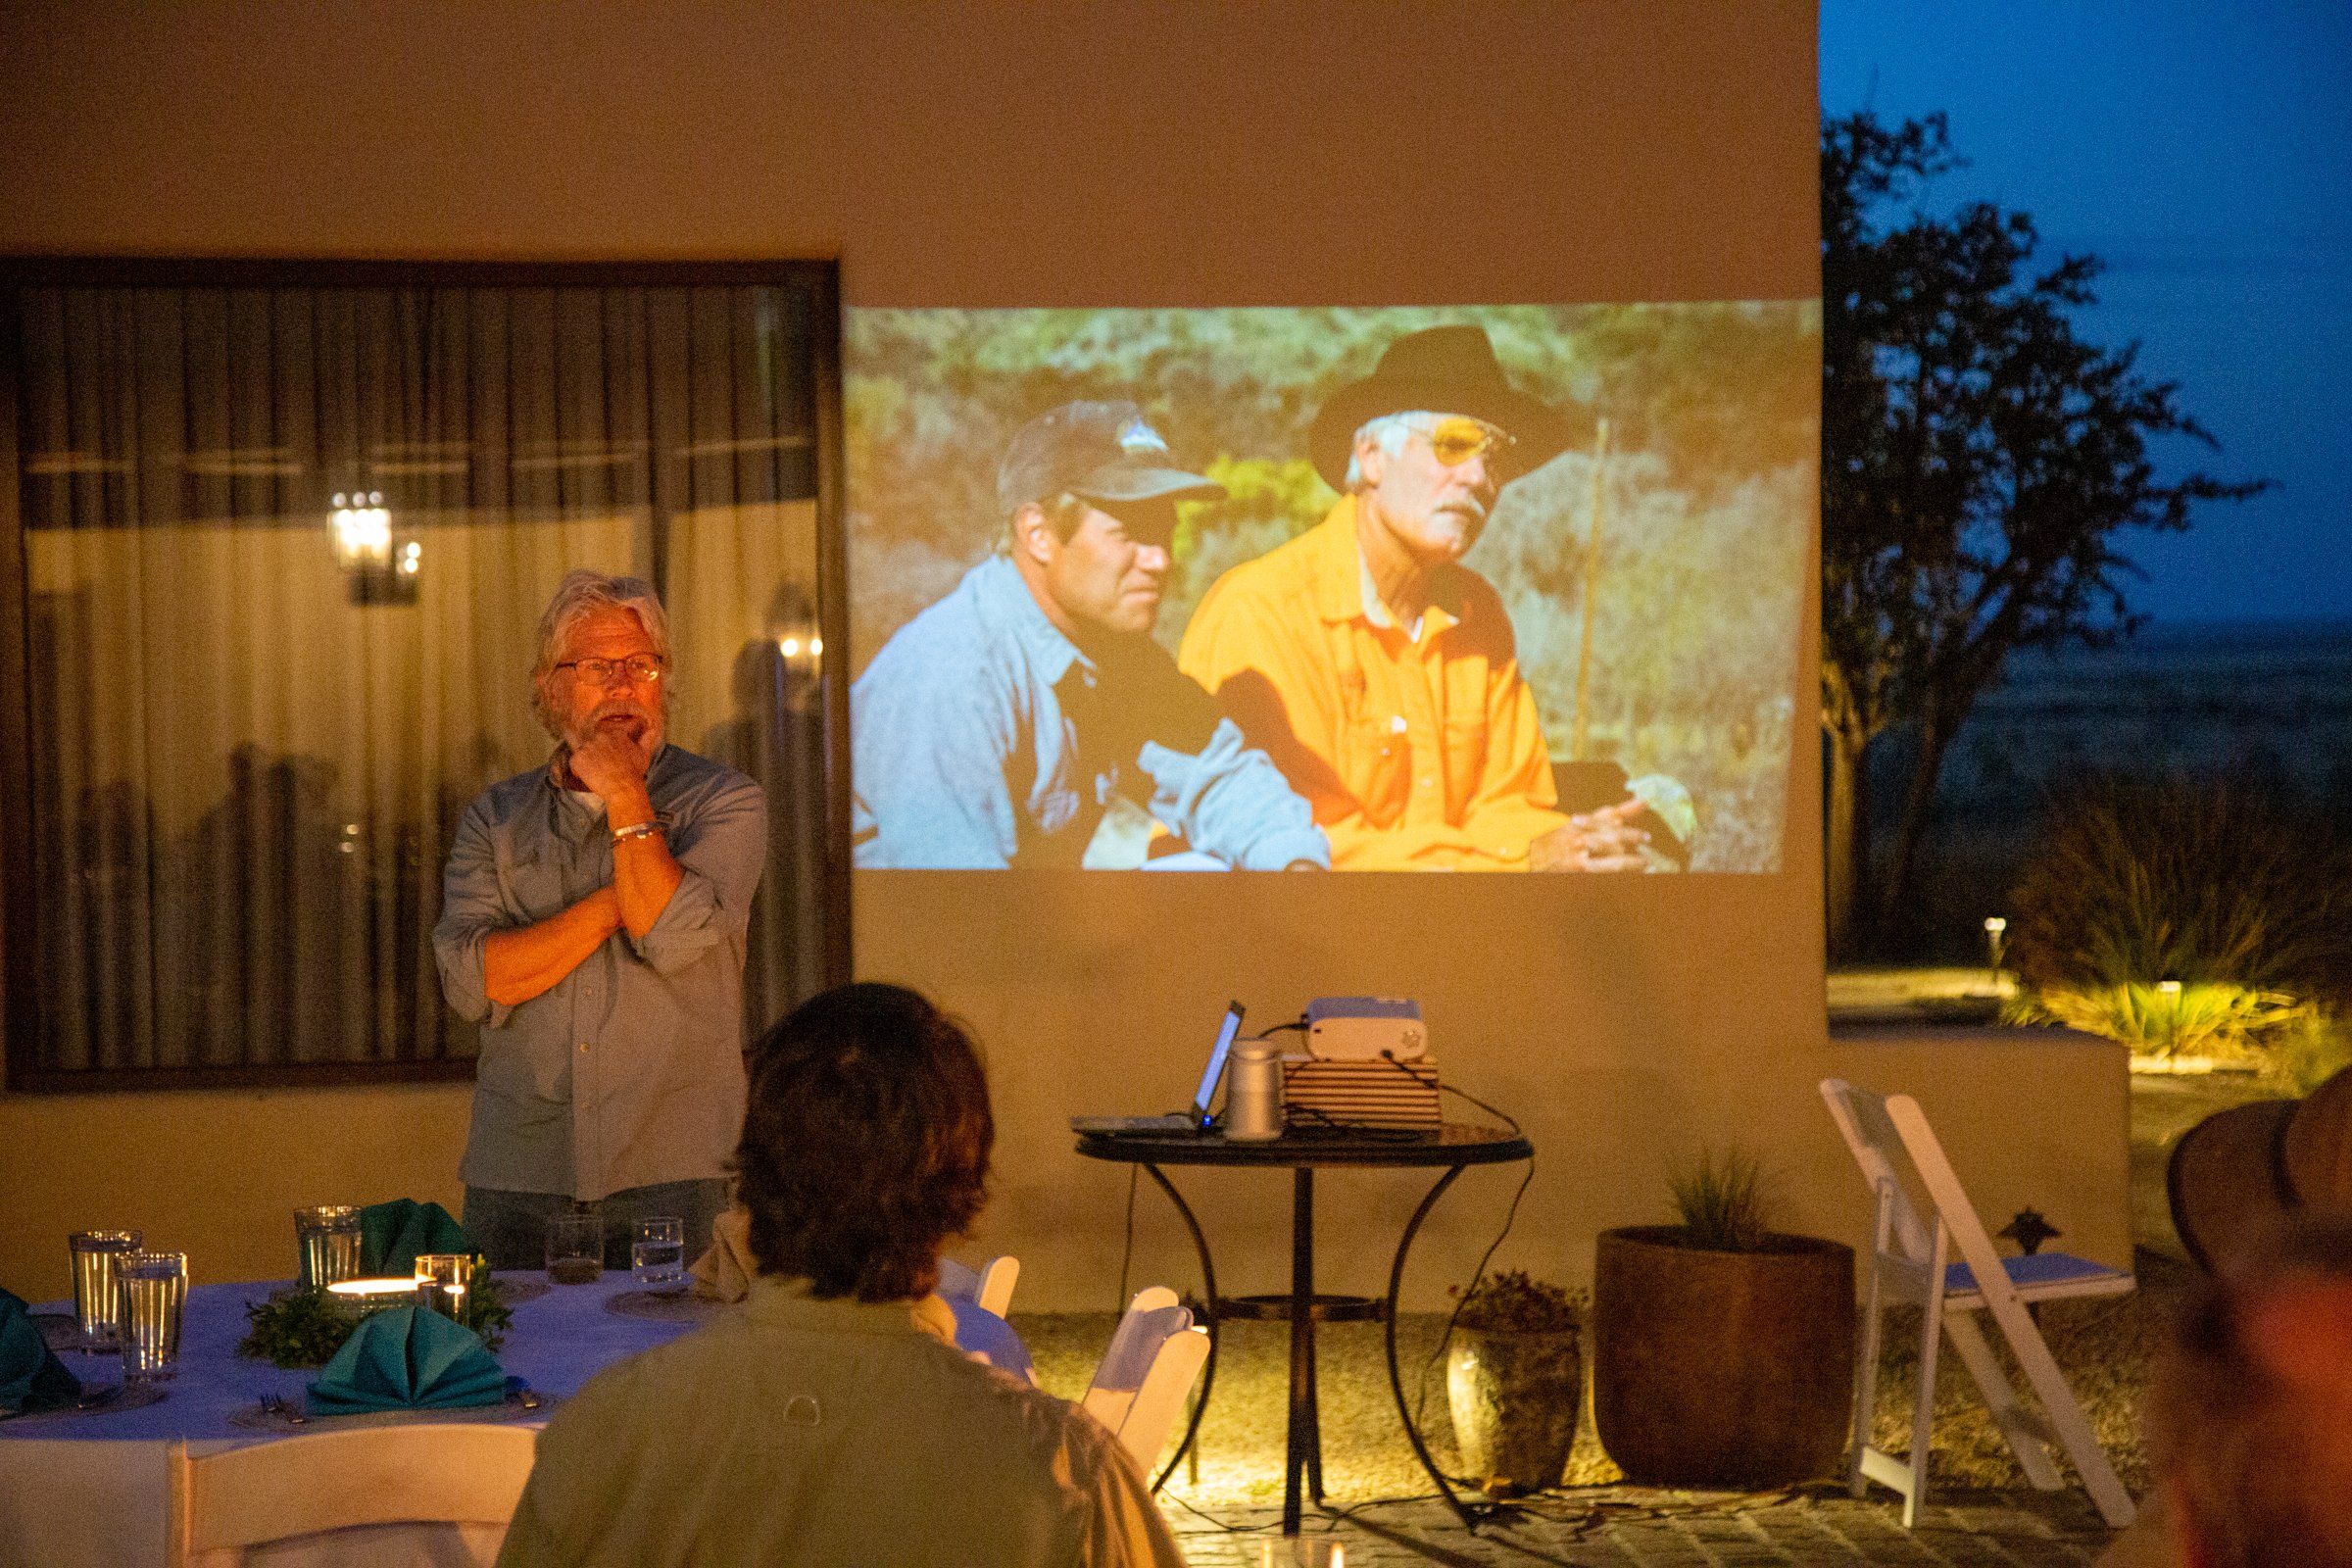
column 1253, row 1093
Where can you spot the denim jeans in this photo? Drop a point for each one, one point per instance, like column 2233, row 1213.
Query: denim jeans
column 512, row 1227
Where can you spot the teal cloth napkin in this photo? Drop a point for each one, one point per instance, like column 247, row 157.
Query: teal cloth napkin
column 32, row 1377
column 407, row 1358
column 392, row 1234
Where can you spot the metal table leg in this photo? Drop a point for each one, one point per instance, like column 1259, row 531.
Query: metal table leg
column 1469, row 1515
column 1209, row 1284
column 1303, row 1343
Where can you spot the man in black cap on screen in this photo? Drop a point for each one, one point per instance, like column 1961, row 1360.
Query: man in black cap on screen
column 1028, row 718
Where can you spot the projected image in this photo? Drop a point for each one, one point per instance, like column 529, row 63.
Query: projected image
column 1512, row 588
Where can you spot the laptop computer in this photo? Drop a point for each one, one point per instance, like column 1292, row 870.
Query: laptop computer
column 1182, row 1122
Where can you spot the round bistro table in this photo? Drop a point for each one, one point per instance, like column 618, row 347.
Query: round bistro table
column 1455, row 1148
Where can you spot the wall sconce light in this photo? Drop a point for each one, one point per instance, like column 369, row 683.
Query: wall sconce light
column 377, row 569
column 363, row 529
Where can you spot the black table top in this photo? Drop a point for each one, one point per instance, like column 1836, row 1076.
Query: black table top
column 1457, row 1143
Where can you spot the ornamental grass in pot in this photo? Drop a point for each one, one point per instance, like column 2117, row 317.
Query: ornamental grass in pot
column 1513, row 1379
column 1723, row 1350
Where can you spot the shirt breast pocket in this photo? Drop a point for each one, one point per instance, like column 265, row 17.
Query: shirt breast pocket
column 1376, row 761
column 1465, row 757
column 536, row 887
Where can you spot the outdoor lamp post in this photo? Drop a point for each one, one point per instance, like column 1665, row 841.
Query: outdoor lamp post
column 1997, row 930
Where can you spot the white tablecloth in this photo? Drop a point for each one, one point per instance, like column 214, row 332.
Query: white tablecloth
column 90, row 1488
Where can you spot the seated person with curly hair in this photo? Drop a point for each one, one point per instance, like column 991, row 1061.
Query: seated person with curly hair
column 833, row 1420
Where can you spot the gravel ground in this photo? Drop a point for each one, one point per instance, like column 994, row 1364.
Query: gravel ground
column 2102, row 1346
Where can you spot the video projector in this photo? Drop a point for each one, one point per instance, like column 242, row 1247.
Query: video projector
column 1367, row 1066
column 1365, row 1029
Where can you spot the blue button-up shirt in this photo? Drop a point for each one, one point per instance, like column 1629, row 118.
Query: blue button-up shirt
column 628, row 1071
column 983, row 737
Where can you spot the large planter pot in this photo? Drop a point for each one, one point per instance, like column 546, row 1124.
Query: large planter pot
column 1722, row 1369
column 1514, row 1398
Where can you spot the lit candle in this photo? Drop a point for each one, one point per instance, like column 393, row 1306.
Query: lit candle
column 367, row 1295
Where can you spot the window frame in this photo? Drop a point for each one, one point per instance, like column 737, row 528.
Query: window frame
column 20, row 1018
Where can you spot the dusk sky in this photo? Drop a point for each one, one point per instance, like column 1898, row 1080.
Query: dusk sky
column 2204, row 152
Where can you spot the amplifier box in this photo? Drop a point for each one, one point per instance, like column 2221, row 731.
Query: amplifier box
column 1380, row 1092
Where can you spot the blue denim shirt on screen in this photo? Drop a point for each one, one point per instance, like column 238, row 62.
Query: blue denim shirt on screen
column 984, row 738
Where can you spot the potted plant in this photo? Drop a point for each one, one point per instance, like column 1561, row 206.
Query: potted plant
column 1513, row 1379
column 1723, row 1350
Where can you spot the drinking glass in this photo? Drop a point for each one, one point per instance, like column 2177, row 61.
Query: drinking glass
column 97, row 1255
column 657, row 1251
column 152, row 1290
column 329, row 1239
column 575, row 1245
column 441, row 1280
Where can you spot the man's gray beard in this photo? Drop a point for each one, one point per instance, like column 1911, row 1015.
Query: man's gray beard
column 656, row 726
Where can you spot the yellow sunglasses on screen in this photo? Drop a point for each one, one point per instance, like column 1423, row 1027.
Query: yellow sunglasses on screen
column 1458, row 439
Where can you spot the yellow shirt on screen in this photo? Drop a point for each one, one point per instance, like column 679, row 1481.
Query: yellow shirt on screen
column 1418, row 748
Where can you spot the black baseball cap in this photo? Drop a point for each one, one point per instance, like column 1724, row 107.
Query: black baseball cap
column 1100, row 452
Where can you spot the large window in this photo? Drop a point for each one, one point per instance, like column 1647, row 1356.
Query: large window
column 275, row 541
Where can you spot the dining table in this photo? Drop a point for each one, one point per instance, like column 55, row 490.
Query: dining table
column 90, row 1486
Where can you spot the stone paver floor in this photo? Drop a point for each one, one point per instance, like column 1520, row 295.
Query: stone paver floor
column 1627, row 1527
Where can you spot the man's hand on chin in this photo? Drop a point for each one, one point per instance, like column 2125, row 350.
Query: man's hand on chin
column 1604, row 839
column 612, row 760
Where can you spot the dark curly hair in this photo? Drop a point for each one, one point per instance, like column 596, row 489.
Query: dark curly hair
column 865, row 1143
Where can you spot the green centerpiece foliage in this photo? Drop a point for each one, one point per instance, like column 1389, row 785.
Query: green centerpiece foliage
column 306, row 1328
column 302, row 1330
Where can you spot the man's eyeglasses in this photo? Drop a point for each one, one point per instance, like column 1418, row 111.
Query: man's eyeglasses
column 642, row 669
column 1458, row 438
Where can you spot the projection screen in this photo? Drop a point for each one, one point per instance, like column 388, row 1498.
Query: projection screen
column 1498, row 588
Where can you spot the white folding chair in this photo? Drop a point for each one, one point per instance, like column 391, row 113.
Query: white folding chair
column 990, row 1288
column 1154, row 1356
column 1911, row 1262
column 468, row 1476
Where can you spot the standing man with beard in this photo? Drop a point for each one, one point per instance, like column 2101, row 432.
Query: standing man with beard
column 593, row 924
column 1380, row 673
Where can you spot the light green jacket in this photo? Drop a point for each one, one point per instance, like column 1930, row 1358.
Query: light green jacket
column 833, row 1432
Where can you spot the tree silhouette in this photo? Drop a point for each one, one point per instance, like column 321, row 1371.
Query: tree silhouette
column 1977, row 462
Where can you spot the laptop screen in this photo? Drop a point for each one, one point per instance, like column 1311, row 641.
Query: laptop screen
column 1215, row 1071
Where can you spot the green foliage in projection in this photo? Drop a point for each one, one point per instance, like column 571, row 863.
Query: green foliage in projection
column 1707, row 496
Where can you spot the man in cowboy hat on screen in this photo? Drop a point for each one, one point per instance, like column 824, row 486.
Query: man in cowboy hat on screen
column 1380, row 673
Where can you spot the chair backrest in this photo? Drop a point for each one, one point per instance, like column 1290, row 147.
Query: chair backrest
column 1861, row 1116
column 419, row 1473
column 989, row 1288
column 1154, row 1356
column 1889, row 1131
